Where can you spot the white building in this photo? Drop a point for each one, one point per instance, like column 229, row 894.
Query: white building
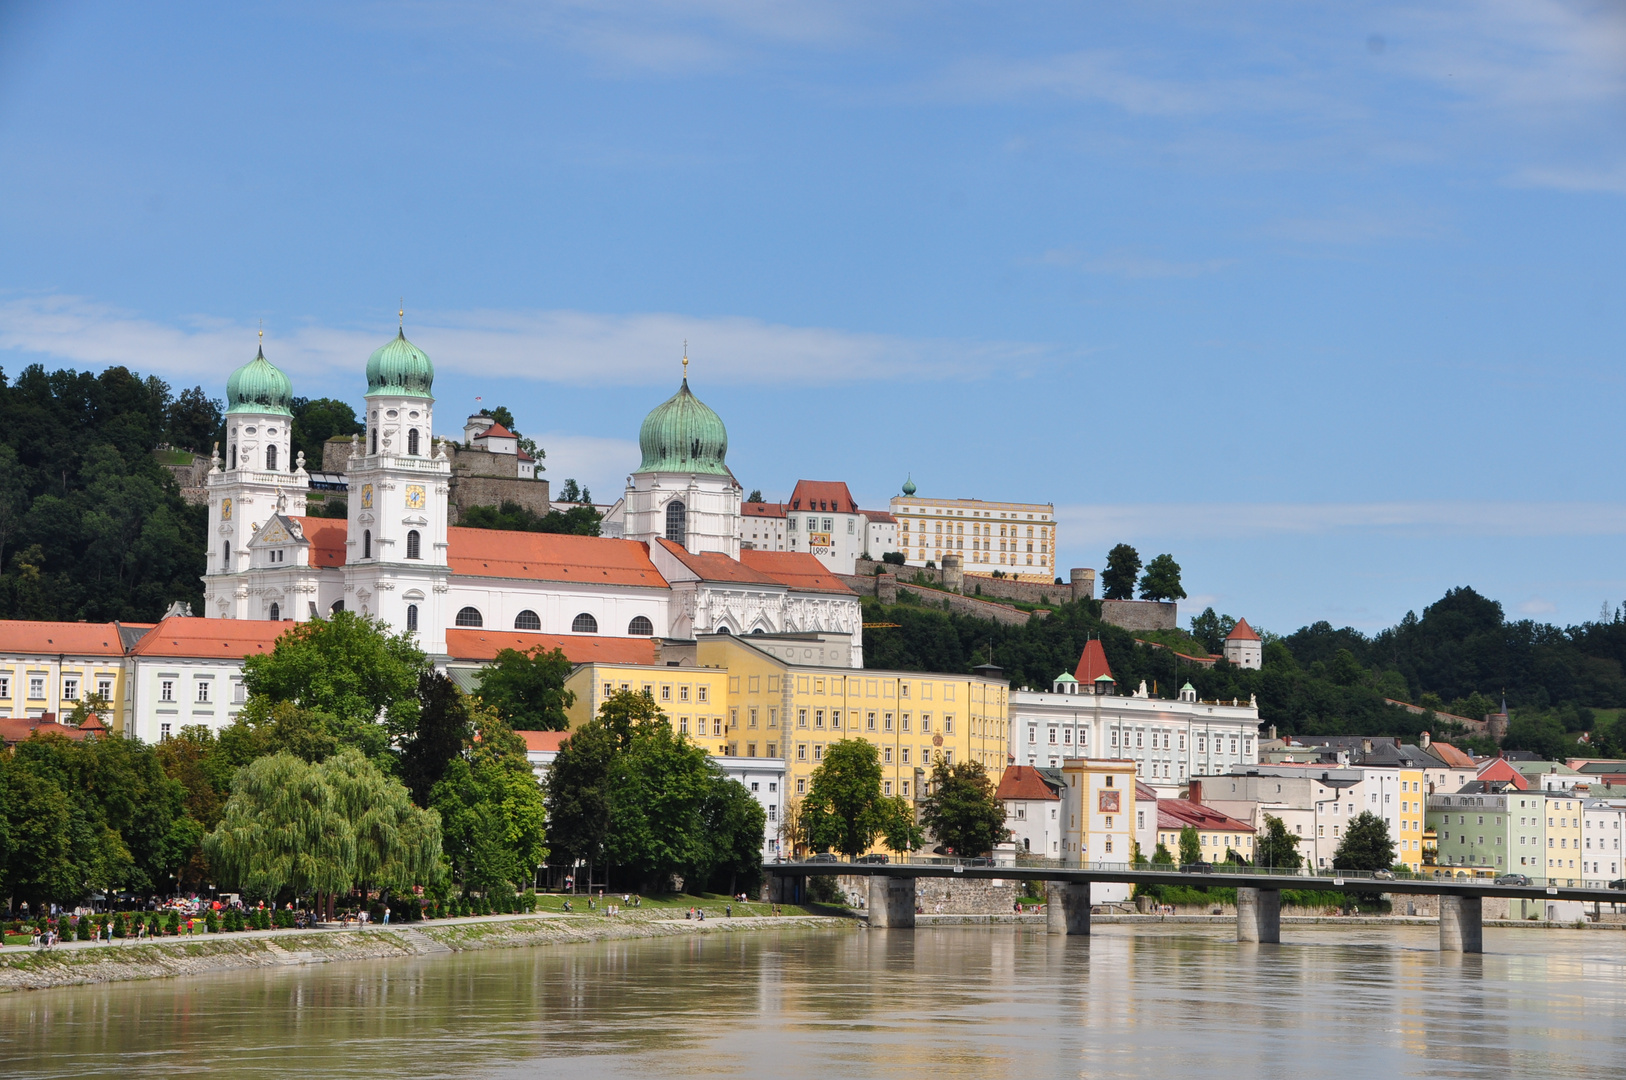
column 1603, row 824
column 1243, row 648
column 1017, row 539
column 821, row 518
column 1032, row 801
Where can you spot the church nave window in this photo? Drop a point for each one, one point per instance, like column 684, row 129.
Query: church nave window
column 470, row 616
column 584, row 624
column 271, row 459
column 276, row 613
column 412, row 618
column 677, row 522
column 640, row 627
column 413, row 544
column 527, row 620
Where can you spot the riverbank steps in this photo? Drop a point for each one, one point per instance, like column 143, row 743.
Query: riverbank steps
column 80, row 963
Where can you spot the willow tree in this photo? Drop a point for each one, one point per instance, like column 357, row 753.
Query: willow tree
column 397, row 844
column 283, row 829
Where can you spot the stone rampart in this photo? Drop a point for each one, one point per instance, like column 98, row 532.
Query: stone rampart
column 980, row 583
column 1141, row 614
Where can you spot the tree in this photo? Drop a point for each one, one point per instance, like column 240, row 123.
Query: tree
column 1276, row 847
column 659, row 786
column 13, row 497
column 896, row 558
column 1191, row 846
column 492, row 811
column 1162, row 580
column 1123, row 568
column 732, row 824
column 625, row 711
column 577, row 521
column 578, row 793
column 1162, row 857
column 527, row 689
column 755, row 496
column 844, row 808
column 397, row 844
column 961, row 810
column 316, row 420
column 275, row 727
column 1366, row 845
column 1212, row 629
column 898, row 829
column 192, row 421
column 445, row 724
column 349, row 667
column 282, row 830
column 571, row 493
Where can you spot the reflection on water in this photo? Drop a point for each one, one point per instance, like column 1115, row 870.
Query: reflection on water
column 945, row 1003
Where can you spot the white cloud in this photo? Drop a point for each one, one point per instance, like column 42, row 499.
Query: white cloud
column 1094, row 525
column 601, row 464
column 574, row 347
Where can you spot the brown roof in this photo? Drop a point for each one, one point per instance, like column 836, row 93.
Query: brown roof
column 797, row 569
column 715, row 566
column 1242, row 632
column 1024, row 782
column 830, row 496
column 465, row 644
column 879, row 517
column 1451, row 756
column 1145, row 792
column 14, row 730
column 1092, row 664
column 543, row 742
column 224, row 639
column 327, row 537
column 80, row 639
column 1178, row 813
column 762, row 509
column 551, row 557
column 92, row 722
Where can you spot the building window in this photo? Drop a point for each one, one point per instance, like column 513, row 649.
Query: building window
column 584, row 624
column 527, row 620
column 276, row 612
column 414, row 546
column 225, row 556
column 239, row 693
column 469, row 617
column 677, row 522
column 338, row 606
column 203, row 693
column 5, row 686
column 640, row 627
column 367, row 543
column 374, row 440
column 412, row 441
column 163, row 732
column 412, row 618
column 166, row 690
column 70, row 689
column 271, row 459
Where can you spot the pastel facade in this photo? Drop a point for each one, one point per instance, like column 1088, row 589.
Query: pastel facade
column 1032, row 801
column 53, row 667
column 1603, row 827
column 1018, row 539
column 823, row 519
column 1218, row 834
column 1496, row 831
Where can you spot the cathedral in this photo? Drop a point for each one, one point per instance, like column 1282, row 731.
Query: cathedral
column 677, row 571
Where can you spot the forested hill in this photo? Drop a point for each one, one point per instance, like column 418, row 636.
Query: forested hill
column 91, row 526
column 1460, row 657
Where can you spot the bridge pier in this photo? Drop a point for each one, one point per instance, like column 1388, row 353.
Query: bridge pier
column 1462, row 924
column 891, row 902
column 1259, row 915
column 1067, row 908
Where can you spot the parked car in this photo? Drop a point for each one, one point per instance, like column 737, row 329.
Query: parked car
column 1197, row 868
column 1618, row 883
column 1386, row 875
column 825, row 856
column 875, row 857
column 1512, row 879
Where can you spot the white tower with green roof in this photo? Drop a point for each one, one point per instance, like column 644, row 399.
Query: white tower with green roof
column 683, row 489
column 396, row 559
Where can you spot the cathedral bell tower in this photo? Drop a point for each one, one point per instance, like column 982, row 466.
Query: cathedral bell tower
column 245, row 481
column 396, row 564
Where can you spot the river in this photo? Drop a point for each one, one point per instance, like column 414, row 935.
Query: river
column 1178, row 1002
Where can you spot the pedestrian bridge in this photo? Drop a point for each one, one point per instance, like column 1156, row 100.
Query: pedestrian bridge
column 1258, row 899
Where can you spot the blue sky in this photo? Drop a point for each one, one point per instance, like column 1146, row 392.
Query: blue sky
column 1327, row 300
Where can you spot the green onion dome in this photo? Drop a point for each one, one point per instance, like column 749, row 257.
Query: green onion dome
column 259, row 387
column 683, row 435
column 909, row 486
column 400, row 368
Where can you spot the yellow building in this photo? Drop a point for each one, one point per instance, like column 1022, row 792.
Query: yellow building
column 1409, row 819
column 1563, row 838
column 51, row 667
column 1217, row 833
column 1099, row 810
column 694, row 699
column 1018, row 539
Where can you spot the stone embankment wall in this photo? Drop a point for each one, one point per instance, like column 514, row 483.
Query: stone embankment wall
column 944, row 896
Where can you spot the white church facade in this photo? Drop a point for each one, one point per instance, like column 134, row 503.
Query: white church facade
column 676, row 570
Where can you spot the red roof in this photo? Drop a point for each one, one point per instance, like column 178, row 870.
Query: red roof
column 496, row 431
column 715, row 566
column 1242, row 632
column 14, row 730
column 543, row 742
column 1453, row 758
column 1024, row 782
column 1145, row 792
column 1500, row 769
column 879, row 517
column 327, row 537
column 21, row 636
column 797, row 569
column 830, row 496
column 551, row 557
column 762, row 509
column 1092, row 664
column 523, row 456
column 223, row 639
column 465, row 644
column 1178, row 813
column 92, row 722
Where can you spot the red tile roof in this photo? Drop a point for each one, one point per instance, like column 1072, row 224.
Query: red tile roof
column 464, row 644
column 327, row 537
column 551, row 557
column 1145, row 792
column 543, row 742
column 1501, row 769
column 1092, row 664
column 797, row 569
column 762, row 509
column 212, row 639
column 1242, row 632
column 1178, row 813
column 76, row 638
column 92, row 723
column 14, row 730
column 715, row 566
column 496, row 431
column 830, row 496
column 1024, row 782
column 879, row 517
column 1453, row 758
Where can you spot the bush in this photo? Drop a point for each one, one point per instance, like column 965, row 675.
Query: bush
column 174, row 925
column 120, row 927
column 211, row 923
column 82, row 930
column 895, row 558
column 285, row 919
column 822, row 889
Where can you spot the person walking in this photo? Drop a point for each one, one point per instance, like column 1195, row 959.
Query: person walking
column 386, row 915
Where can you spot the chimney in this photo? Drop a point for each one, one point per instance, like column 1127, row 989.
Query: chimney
column 1422, row 740
column 1194, row 791
column 1273, row 733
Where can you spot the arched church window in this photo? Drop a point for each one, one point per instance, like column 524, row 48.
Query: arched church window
column 470, row 617
column 412, row 441
column 367, row 543
column 374, row 437
column 640, row 627
column 338, row 606
column 527, row 620
column 234, row 455
column 677, row 522
column 413, row 544
column 271, row 458
column 276, row 613
column 724, row 630
column 225, row 556
column 412, row 618
column 584, row 624
column 758, row 630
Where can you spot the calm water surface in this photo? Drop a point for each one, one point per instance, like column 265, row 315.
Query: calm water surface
column 934, row 1004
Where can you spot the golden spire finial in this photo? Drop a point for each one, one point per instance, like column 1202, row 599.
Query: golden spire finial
column 685, row 359
column 402, row 315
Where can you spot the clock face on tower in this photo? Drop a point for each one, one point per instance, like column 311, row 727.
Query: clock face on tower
column 225, row 509
column 414, row 497
column 366, row 496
